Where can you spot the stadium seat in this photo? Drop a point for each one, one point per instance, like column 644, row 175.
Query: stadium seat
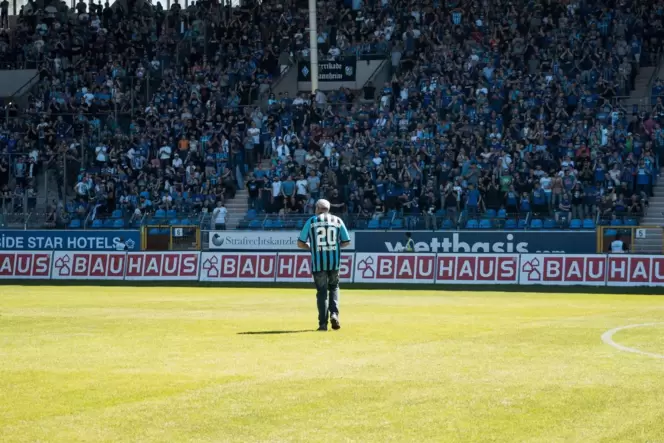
column 373, row 224
column 510, row 224
column 588, row 223
column 472, row 224
column 118, row 224
column 268, row 223
column 174, row 222
column 490, row 213
column 108, row 223
column 117, row 214
column 255, row 224
column 397, row 223
column 385, row 223
column 160, row 214
column 278, row 224
column 185, row 222
column 485, row 224
column 448, row 224
column 536, row 223
column 610, row 233
column 251, row 214
column 171, row 213
column 616, row 222
column 631, row 222
column 523, row 224
column 549, row 223
column 75, row 224
column 502, row 213
column 153, row 231
column 97, row 224
column 575, row 223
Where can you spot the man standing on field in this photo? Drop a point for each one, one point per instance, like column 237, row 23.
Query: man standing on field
column 324, row 235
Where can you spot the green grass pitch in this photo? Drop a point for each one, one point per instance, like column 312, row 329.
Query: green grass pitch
column 121, row 364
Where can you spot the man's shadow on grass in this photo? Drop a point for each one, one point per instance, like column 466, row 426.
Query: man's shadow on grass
column 274, row 332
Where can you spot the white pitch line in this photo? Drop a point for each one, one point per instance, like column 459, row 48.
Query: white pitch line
column 607, row 338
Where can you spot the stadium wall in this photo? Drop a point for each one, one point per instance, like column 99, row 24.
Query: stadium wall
column 589, row 270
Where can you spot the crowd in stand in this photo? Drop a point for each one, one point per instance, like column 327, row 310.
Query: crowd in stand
column 499, row 107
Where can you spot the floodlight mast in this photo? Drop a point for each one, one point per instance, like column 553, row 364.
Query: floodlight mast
column 313, row 45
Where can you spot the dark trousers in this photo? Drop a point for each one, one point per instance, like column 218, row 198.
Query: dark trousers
column 327, row 294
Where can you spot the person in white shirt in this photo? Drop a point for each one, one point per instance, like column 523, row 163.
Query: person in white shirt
column 219, row 217
column 121, row 245
column 177, row 161
column 301, row 188
column 617, row 246
column 100, row 152
column 164, row 155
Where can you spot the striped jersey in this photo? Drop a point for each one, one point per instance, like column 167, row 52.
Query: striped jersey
column 325, row 233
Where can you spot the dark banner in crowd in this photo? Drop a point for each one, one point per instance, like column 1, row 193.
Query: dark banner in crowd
column 329, row 71
column 490, row 242
column 93, row 240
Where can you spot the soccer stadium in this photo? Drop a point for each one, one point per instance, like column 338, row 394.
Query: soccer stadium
column 178, row 180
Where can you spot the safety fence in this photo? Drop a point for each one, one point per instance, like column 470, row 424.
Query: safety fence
column 363, row 268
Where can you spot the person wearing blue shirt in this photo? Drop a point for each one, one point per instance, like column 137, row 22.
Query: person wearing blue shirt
column 324, row 235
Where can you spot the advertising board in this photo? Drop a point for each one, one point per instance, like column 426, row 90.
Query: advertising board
column 258, row 241
column 364, row 268
column 25, row 265
column 342, row 70
column 265, row 267
column 487, row 242
column 47, row 240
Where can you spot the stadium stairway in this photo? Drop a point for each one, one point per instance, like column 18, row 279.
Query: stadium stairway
column 237, row 208
column 653, row 242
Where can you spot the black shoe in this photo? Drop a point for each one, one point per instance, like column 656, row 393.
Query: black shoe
column 322, row 328
column 334, row 319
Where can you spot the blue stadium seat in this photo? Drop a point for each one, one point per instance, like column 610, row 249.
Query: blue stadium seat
column 278, row 224
column 174, row 222
column 97, row 224
column 255, row 224
column 616, row 222
column 472, row 224
column 117, row 214
column 300, row 223
column 510, row 224
column 385, row 223
column 549, row 223
column 251, row 214
column 631, row 222
column 485, row 224
column 502, row 213
column 610, row 233
column 75, row 224
column 268, row 223
column 536, row 223
column 448, row 224
column 575, row 223
column 523, row 224
column 397, row 223
column 588, row 223
column 108, row 223
column 373, row 224
column 118, row 224
column 171, row 213
column 153, row 231
column 185, row 222
column 160, row 213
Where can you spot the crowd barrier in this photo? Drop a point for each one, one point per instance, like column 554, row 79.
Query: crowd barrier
column 363, row 268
